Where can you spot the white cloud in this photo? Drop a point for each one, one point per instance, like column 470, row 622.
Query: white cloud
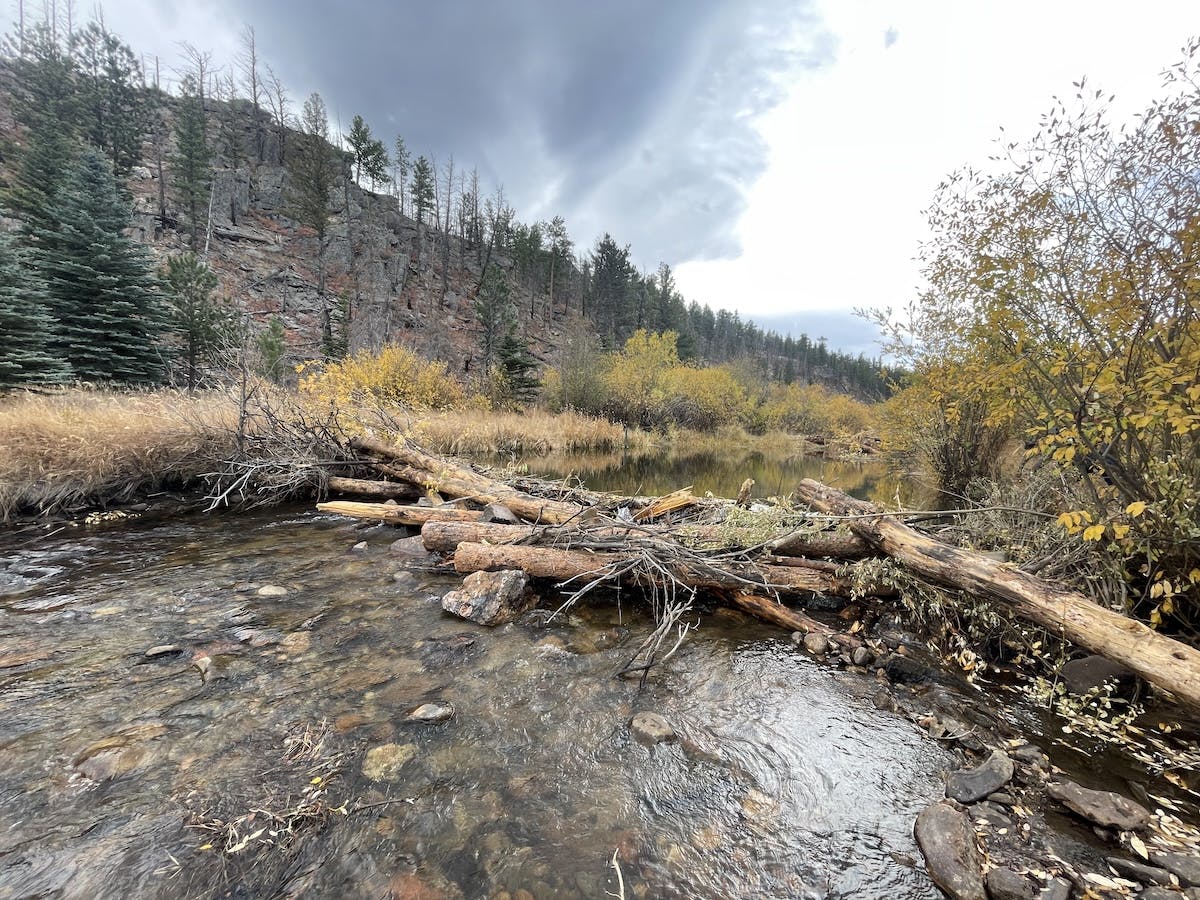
column 918, row 89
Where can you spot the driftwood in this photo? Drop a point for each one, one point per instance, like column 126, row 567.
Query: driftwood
column 420, row 468
column 833, row 544
column 1168, row 664
column 565, row 565
column 771, row 610
column 399, row 515
column 362, row 488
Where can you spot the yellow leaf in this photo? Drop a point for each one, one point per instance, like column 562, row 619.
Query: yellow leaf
column 1136, row 508
column 1139, row 846
column 1065, row 520
column 1093, row 532
column 1119, row 531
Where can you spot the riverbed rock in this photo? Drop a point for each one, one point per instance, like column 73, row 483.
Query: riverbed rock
column 651, row 728
column 1185, row 866
column 969, row 785
column 383, row 763
column 490, row 598
column 1103, row 808
column 1139, row 871
column 1057, row 888
column 272, row 590
column 431, row 712
column 862, row 656
column 1005, row 884
column 162, row 650
column 947, row 841
column 816, row 643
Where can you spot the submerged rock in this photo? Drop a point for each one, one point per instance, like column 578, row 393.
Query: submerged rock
column 162, row 650
column 431, row 712
column 1139, row 871
column 1005, row 884
column 1089, row 673
column 272, row 590
column 1186, row 867
column 1103, row 808
column 816, row 643
column 490, row 598
column 383, row 763
column 947, row 841
column 969, row 785
column 651, row 728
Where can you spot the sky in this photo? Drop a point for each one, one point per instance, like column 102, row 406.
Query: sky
column 778, row 154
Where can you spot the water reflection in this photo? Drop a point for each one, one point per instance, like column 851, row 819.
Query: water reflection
column 775, row 473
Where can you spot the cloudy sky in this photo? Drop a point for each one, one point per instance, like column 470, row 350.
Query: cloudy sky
column 777, row 153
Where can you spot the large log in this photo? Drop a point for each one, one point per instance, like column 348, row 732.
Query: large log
column 363, row 488
column 1166, row 663
column 834, row 544
column 399, row 515
column 458, row 481
column 564, row 565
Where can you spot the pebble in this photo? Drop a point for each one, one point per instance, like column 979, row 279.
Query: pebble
column 816, row 643
column 383, row 763
column 162, row 650
column 360, row 547
column 862, row 656
column 431, row 712
column 272, row 590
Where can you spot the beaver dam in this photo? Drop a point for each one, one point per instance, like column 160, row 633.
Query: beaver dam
column 512, row 689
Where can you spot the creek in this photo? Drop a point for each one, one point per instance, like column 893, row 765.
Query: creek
column 786, row 780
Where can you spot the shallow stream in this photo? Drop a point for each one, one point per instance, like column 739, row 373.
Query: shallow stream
column 121, row 772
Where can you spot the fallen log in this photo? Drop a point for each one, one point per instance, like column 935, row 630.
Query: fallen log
column 1166, row 663
column 834, row 544
column 566, row 565
column 770, row 610
column 453, row 480
column 363, row 488
column 399, row 515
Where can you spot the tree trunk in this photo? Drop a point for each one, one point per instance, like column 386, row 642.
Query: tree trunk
column 564, row 565
column 458, row 481
column 770, row 610
column 363, row 488
column 1166, row 663
column 399, row 515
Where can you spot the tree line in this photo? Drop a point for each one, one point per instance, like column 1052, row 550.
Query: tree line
column 85, row 103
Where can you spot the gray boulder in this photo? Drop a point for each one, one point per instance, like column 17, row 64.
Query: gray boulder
column 490, row 598
column 969, row 785
column 1103, row 808
column 947, row 841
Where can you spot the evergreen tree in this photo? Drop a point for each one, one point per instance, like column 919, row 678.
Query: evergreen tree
column 495, row 312
column 370, row 156
column 203, row 322
column 422, row 188
column 190, row 164
column 518, row 366
column 99, row 286
column 401, row 160
column 45, row 101
column 272, row 347
column 25, row 354
column 113, row 107
column 313, row 174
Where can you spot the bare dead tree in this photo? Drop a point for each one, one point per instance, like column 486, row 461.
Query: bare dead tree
column 247, row 63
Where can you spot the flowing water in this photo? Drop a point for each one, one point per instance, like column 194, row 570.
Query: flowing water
column 786, row 781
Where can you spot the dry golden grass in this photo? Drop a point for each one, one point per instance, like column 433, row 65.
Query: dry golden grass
column 64, row 449
column 468, row 432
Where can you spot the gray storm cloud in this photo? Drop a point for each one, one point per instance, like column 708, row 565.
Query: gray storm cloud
column 623, row 116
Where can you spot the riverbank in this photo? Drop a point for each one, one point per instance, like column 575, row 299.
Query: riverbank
column 78, row 450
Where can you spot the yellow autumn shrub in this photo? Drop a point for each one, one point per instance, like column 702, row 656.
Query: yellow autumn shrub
column 395, row 376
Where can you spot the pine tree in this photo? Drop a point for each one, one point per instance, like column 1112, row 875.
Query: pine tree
column 99, row 285
column 313, row 173
column 203, row 322
column 518, row 366
column 25, row 355
column 190, row 163
column 114, row 112
column 495, row 312
column 422, row 188
column 272, row 347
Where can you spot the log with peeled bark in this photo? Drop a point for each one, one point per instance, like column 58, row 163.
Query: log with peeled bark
column 399, row 515
column 1166, row 663
column 565, row 565
column 363, row 488
column 458, row 481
